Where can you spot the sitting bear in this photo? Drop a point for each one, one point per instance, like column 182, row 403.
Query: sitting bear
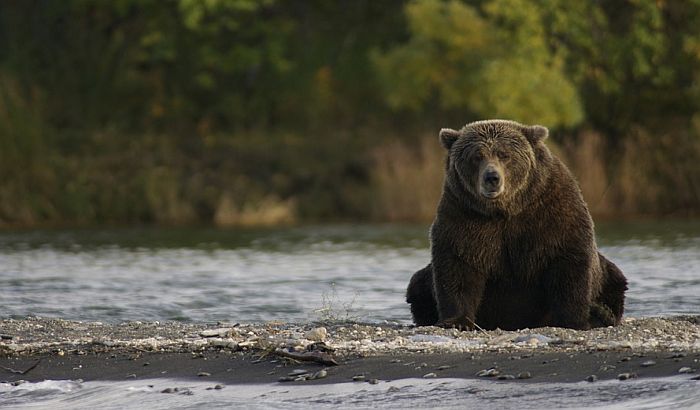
column 512, row 243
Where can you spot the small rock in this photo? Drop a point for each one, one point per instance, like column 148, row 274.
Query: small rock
column 393, row 389
column 373, row 381
column 533, row 339
column 217, row 387
column 224, row 343
column 592, row 378
column 298, row 372
column 319, row 374
column 429, row 375
column 444, row 367
column 169, row 390
column 203, row 374
column 302, row 378
column 626, row 359
column 358, row 378
column 319, row 346
column 18, row 382
column 492, row 372
column 131, row 376
column 685, row 370
column 506, row 377
column 695, row 378
column 524, row 375
column 429, row 339
column 648, row 363
column 221, row 332
column 626, row 376
column 318, row 334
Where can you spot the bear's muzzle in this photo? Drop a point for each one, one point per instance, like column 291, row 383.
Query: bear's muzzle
column 491, row 182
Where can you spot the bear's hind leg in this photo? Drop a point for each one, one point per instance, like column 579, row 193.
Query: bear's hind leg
column 610, row 305
column 421, row 297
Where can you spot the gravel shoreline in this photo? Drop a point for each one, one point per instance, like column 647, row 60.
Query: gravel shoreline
column 44, row 335
column 91, row 350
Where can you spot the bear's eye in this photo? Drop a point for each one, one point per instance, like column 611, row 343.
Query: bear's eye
column 503, row 155
column 477, row 157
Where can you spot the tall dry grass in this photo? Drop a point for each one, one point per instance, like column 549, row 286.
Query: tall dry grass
column 270, row 211
column 648, row 175
column 407, row 180
column 585, row 157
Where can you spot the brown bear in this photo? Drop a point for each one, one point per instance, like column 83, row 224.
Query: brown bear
column 512, row 244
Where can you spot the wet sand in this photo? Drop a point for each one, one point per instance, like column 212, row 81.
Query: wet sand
column 36, row 349
column 232, row 368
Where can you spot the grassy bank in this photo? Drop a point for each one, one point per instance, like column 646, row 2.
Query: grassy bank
column 272, row 179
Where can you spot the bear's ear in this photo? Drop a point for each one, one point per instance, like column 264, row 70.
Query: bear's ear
column 535, row 133
column 448, row 137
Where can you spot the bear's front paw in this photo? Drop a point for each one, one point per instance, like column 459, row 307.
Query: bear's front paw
column 459, row 322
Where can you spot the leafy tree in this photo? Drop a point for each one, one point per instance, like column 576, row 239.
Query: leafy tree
column 493, row 61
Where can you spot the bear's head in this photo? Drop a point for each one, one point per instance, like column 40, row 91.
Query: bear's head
column 492, row 164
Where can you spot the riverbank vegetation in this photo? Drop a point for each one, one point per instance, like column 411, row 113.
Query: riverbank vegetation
column 254, row 112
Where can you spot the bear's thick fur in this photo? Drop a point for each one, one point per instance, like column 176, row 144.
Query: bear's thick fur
column 512, row 244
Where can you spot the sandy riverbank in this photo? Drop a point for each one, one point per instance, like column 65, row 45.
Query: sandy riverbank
column 230, row 353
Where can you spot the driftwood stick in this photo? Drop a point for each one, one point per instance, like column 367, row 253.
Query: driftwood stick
column 477, row 327
column 318, row 357
column 25, row 371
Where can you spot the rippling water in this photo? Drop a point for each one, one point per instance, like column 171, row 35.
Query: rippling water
column 666, row 393
column 296, row 274
column 301, row 274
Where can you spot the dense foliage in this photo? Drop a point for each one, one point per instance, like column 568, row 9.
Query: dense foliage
column 269, row 111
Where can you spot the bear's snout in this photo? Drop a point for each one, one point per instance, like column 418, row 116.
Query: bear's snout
column 492, row 178
column 491, row 182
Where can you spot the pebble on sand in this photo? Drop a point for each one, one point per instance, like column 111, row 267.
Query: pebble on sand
column 524, row 375
column 319, row 374
column 626, row 376
column 492, row 372
column 220, row 332
column 318, row 334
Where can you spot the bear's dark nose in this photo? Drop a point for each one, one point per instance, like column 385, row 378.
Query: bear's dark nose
column 492, row 178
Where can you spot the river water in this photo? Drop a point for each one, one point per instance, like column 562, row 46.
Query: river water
column 295, row 274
